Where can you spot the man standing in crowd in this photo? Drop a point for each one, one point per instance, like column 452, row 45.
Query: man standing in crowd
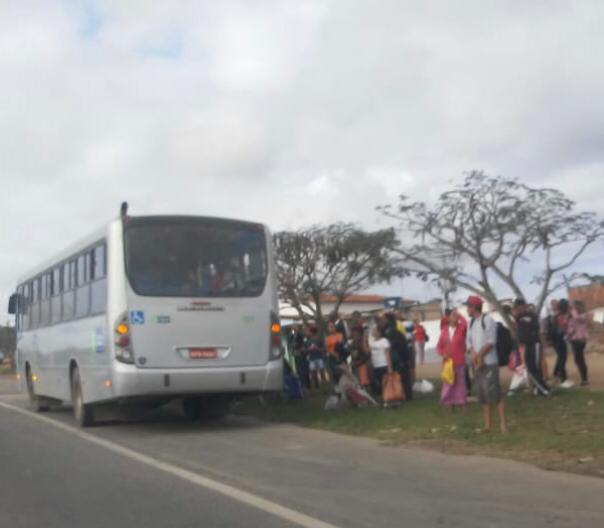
column 529, row 339
column 482, row 346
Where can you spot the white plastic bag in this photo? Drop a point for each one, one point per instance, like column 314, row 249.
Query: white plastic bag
column 332, row 403
column 519, row 379
column 423, row 387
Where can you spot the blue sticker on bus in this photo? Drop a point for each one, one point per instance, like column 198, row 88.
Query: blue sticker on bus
column 99, row 340
column 137, row 317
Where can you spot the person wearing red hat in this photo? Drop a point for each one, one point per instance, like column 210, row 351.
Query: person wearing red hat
column 482, row 346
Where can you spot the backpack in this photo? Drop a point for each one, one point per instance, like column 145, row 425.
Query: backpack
column 504, row 342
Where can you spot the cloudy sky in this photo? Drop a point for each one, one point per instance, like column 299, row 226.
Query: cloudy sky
column 288, row 112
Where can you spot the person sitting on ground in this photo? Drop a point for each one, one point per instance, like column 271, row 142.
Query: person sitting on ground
column 578, row 333
column 482, row 346
column 452, row 345
column 316, row 358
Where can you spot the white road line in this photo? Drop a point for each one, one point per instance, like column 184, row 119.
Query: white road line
column 239, row 495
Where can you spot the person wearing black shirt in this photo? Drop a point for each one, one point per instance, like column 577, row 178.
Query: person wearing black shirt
column 400, row 352
column 529, row 338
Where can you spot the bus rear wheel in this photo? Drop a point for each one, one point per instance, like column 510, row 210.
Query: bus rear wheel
column 36, row 403
column 82, row 412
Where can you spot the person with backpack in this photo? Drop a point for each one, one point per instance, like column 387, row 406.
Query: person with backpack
column 529, row 342
column 482, row 347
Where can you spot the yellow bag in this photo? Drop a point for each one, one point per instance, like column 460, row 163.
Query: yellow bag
column 447, row 374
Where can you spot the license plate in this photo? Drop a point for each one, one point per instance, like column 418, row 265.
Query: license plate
column 203, row 353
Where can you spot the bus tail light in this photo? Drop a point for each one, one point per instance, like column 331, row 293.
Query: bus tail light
column 275, row 352
column 123, row 344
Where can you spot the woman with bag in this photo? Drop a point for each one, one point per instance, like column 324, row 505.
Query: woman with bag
column 451, row 347
column 387, row 382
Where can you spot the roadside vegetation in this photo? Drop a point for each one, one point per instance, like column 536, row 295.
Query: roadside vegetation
column 564, row 433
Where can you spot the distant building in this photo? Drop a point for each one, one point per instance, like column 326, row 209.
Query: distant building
column 592, row 295
column 428, row 311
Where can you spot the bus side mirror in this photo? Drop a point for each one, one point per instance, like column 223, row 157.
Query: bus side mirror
column 12, row 304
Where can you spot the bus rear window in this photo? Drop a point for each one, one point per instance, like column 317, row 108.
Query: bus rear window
column 195, row 257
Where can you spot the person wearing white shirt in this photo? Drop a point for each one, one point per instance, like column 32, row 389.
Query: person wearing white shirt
column 380, row 356
column 482, row 346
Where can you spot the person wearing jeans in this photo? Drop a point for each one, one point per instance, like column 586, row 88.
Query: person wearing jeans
column 578, row 333
column 529, row 339
column 561, row 318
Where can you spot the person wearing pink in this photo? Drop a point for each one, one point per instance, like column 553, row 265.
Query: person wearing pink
column 452, row 344
column 577, row 332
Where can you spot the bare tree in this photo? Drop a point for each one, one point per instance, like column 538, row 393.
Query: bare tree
column 337, row 260
column 489, row 232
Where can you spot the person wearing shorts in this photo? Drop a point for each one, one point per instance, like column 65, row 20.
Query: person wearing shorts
column 482, row 346
column 316, row 358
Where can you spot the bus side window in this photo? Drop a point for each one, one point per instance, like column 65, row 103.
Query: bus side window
column 56, row 288
column 25, row 306
column 35, row 303
column 82, row 306
column 98, row 262
column 45, row 299
column 98, row 286
column 69, row 272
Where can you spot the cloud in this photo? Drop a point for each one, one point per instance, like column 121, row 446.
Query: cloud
column 287, row 112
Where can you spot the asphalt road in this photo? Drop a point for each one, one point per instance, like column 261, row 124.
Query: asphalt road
column 164, row 471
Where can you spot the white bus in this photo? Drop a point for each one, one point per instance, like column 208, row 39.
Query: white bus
column 152, row 308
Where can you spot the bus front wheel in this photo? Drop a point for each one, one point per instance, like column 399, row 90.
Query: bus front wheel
column 82, row 412
column 35, row 402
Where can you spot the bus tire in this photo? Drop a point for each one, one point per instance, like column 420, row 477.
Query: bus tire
column 36, row 403
column 82, row 412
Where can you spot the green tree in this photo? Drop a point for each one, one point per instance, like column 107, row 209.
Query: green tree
column 338, row 260
column 485, row 233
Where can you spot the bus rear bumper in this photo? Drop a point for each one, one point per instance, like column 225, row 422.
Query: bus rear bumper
column 130, row 381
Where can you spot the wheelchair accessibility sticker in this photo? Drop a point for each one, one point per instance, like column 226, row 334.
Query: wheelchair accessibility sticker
column 137, row 317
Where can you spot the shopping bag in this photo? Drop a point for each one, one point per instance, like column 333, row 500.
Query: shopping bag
column 392, row 388
column 447, row 374
column 363, row 374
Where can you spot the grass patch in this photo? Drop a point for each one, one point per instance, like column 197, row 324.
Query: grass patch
column 563, row 433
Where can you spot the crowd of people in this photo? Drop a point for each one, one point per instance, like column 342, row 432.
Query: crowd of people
column 472, row 349
column 384, row 344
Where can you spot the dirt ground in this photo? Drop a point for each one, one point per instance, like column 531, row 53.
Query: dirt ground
column 595, row 365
